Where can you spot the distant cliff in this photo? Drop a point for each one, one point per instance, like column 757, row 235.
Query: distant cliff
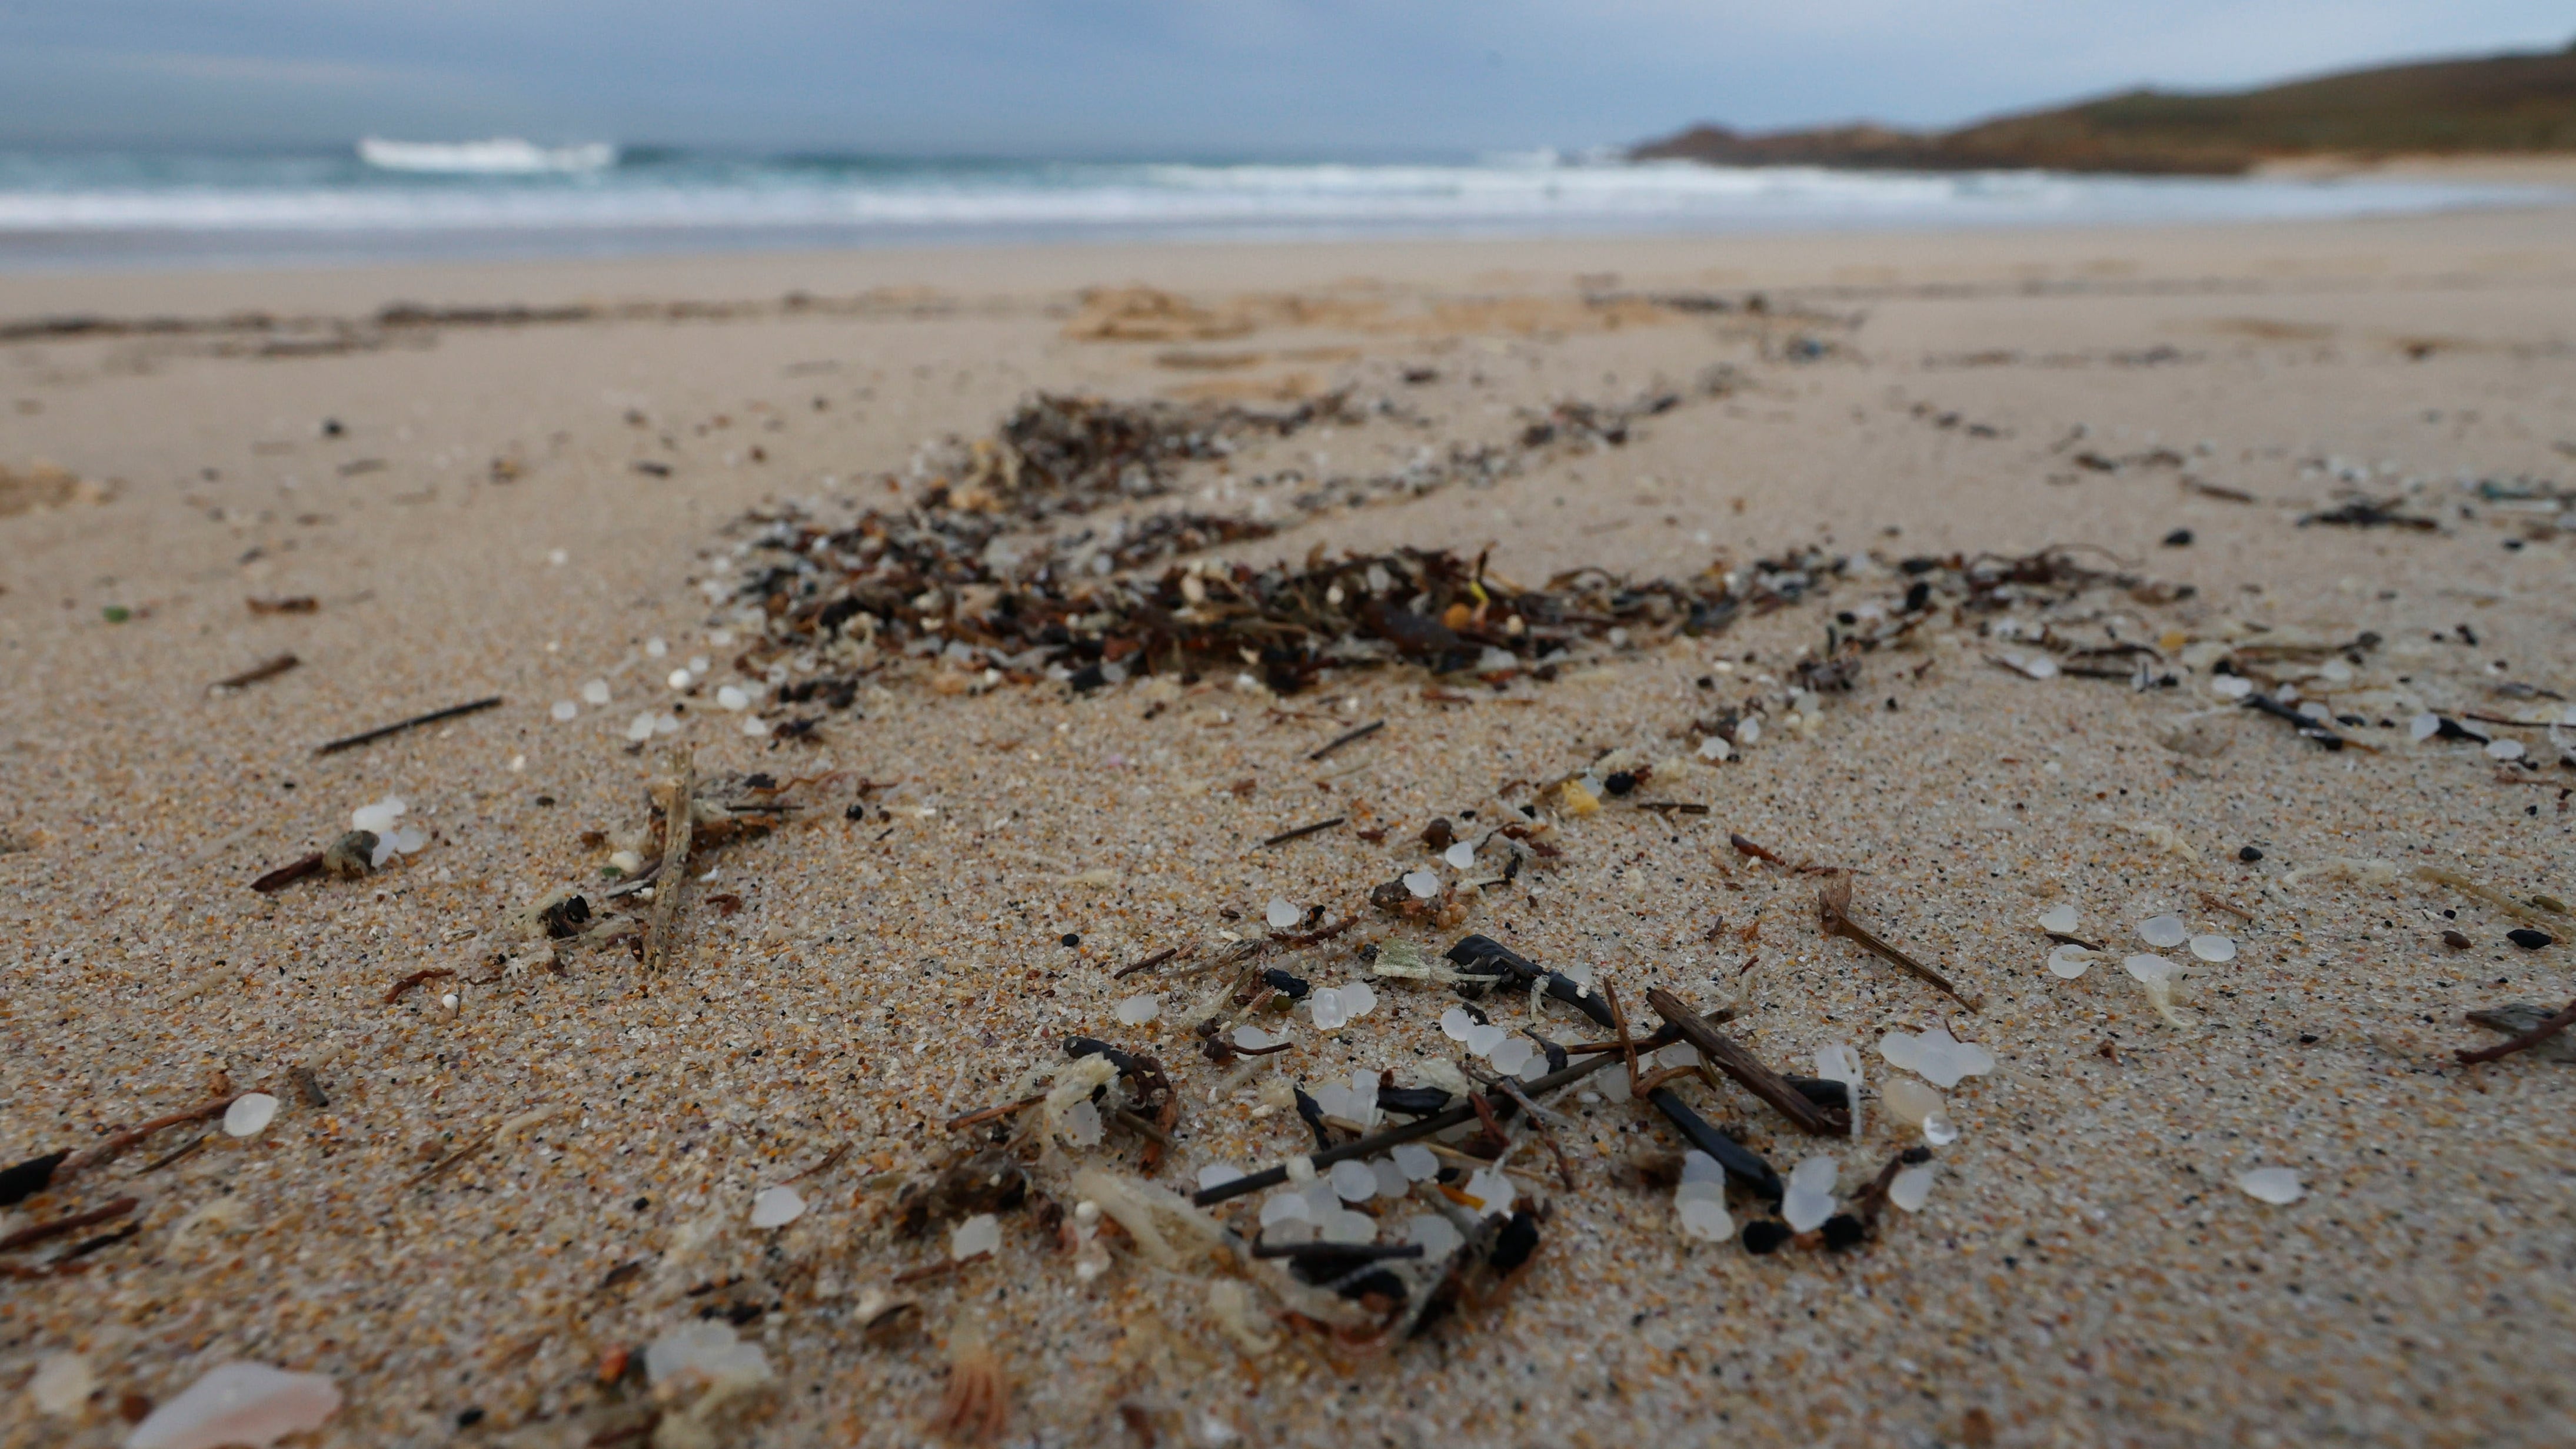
column 2496, row 105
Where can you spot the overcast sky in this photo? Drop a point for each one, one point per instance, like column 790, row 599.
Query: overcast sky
column 1161, row 77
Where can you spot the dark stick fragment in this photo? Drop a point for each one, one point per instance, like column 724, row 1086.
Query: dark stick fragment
column 1148, row 964
column 265, row 669
column 2529, row 1039
column 2308, row 728
column 350, row 742
column 38, row 1232
column 394, row 992
column 970, row 1119
column 103, row 1240
column 1313, row 1113
column 288, row 874
column 195, row 1146
column 1833, row 904
column 1348, row 737
column 1338, row 1252
column 1734, row 1059
column 1673, row 807
column 1865, row 1205
column 1744, row 846
column 1302, row 831
column 1742, row 1163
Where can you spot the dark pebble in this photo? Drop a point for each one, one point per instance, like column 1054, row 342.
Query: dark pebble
column 1620, row 783
column 2529, row 939
column 1765, row 1235
column 2179, row 538
column 468, row 1418
column 1842, row 1231
column 2248, row 854
column 2457, row 940
column 1070, row 939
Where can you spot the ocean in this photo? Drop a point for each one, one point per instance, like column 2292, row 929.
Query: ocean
column 93, row 210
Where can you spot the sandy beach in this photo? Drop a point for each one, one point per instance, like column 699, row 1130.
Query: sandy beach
column 2042, row 512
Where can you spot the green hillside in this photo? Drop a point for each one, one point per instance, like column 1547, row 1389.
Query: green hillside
column 2502, row 104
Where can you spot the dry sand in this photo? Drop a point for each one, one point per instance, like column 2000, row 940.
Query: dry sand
column 2086, row 1269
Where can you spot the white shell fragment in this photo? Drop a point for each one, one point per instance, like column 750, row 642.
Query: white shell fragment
column 1513, row 1054
column 1325, row 1006
column 1422, row 883
column 2163, row 932
column 1217, row 1174
column 1699, row 1202
column 1358, row 998
column 1493, row 1190
column 1455, row 1023
column 1910, row 1101
column 2214, row 948
column 1353, row 1181
column 981, row 1233
column 706, row 1350
column 2504, row 749
column 62, row 1383
column 1417, row 1162
column 250, row 1114
column 240, row 1403
column 564, row 711
column 776, row 1207
column 2157, row 975
column 1460, row 855
column 1253, row 1038
column 2272, row 1184
column 1911, row 1187
column 1438, row 1237
column 1936, row 1056
column 595, row 692
column 1839, row 1063
column 1138, row 1010
column 2061, row 919
column 1810, row 1198
column 1281, row 915
column 2069, row 962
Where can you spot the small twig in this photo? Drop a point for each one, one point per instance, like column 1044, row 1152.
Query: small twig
column 1833, row 903
column 1319, row 935
column 679, row 826
column 1346, row 1252
column 1627, row 1047
column 1302, row 831
column 1363, row 732
column 940, row 1269
column 350, row 742
column 440, row 1167
column 265, row 669
column 195, row 1146
column 830, row 1159
column 2529, row 1039
column 123, row 1142
column 1734, row 1059
column 1673, row 807
column 2222, row 903
column 970, row 1119
column 59, row 1226
column 1148, row 964
column 394, row 992
column 1744, row 846
column 288, row 874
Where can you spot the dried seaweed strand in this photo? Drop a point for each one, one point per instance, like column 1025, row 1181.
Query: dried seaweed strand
column 1833, row 903
column 2496, row 898
column 38, row 1232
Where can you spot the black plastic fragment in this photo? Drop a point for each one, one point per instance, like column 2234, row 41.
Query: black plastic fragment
column 28, row 1178
column 1412, row 1101
column 1313, row 1112
column 1743, row 1165
column 1485, row 956
column 1514, row 1245
column 1765, row 1235
column 1293, row 987
column 1091, row 1046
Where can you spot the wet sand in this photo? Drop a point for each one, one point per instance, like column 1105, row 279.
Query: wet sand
column 2085, row 1269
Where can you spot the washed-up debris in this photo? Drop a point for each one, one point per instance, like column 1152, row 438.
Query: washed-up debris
column 453, row 711
column 1833, row 905
column 2521, row 1019
column 2546, row 1030
column 2276, row 1185
column 239, row 1404
column 268, row 668
column 2368, row 513
column 1348, row 737
column 679, row 826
